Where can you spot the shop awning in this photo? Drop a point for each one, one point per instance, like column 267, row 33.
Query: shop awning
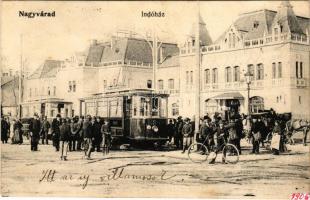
column 229, row 95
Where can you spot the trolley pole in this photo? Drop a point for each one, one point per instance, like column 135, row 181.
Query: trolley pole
column 197, row 73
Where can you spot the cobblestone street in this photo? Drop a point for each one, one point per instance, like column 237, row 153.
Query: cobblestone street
column 149, row 173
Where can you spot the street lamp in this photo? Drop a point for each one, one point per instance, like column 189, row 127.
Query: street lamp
column 248, row 76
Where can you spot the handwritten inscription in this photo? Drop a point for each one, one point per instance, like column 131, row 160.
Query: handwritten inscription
column 118, row 173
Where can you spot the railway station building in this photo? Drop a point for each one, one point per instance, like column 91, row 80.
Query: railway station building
column 272, row 45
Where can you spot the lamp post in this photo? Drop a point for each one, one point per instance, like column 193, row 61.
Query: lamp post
column 248, row 75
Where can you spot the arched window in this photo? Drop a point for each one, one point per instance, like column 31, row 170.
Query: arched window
column 236, row 73
column 214, row 75
column 274, row 70
column 260, row 72
column 171, row 84
column 149, row 84
column 160, row 84
column 228, row 74
column 256, row 104
column 207, row 76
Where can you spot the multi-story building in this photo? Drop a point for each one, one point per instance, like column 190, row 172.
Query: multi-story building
column 61, row 87
column 273, row 46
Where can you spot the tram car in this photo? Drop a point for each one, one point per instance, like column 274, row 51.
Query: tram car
column 135, row 116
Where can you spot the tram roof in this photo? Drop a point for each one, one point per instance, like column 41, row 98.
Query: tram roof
column 128, row 92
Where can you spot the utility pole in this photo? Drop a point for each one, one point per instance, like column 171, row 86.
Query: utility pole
column 197, row 71
column 20, row 78
column 155, row 50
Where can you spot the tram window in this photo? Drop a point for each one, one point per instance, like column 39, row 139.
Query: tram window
column 163, row 107
column 115, row 108
column 135, row 105
column 155, row 106
column 142, row 106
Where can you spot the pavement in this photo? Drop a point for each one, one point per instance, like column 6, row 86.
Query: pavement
column 144, row 173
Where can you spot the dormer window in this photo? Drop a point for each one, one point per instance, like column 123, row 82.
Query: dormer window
column 255, row 24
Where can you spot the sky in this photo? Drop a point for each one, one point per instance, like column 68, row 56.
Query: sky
column 77, row 23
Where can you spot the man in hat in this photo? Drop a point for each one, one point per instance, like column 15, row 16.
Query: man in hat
column 178, row 137
column 88, row 135
column 221, row 135
column 96, row 133
column 44, row 130
column 56, row 131
column 4, row 130
column 75, row 128
column 34, row 128
column 187, row 132
column 64, row 138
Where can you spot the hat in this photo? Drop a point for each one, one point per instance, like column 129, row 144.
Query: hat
column 179, row 117
column 187, row 119
column 58, row 115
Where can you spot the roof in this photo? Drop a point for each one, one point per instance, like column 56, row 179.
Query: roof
column 6, row 79
column 230, row 95
column 204, row 35
column 265, row 20
column 47, row 70
column 171, row 61
column 9, row 93
column 126, row 49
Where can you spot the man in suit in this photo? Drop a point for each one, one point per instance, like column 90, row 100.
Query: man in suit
column 88, row 136
column 44, row 130
column 56, row 131
column 35, row 128
column 64, row 138
column 187, row 132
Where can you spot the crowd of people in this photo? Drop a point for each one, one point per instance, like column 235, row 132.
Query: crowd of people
column 213, row 132
column 76, row 134
column 94, row 133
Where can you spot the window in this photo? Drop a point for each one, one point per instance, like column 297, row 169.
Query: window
column 187, row 77
column 279, row 69
column 260, row 72
column 297, row 69
column 48, row 91
column 274, row 70
column 54, row 90
column 35, row 92
column 228, row 74
column 229, row 40
column 214, row 75
column 251, row 70
column 207, row 76
column 149, row 84
column 275, row 30
column 299, row 99
column 191, row 77
column 300, row 70
column 114, row 82
column 175, row 109
column 256, row 104
column 160, row 84
column 104, row 84
column 171, row 84
column 70, row 86
column 30, row 92
column 236, row 73
column 73, row 86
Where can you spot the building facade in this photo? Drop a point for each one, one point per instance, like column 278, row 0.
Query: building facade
column 273, row 46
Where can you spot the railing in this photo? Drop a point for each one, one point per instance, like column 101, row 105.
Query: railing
column 299, row 82
column 270, row 39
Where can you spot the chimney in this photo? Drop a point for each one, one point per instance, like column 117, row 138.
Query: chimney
column 94, row 42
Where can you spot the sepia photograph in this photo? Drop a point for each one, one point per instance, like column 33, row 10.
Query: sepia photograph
column 155, row 99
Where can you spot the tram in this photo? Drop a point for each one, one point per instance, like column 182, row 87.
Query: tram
column 135, row 116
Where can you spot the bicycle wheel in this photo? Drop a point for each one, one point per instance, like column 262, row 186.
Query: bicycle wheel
column 230, row 154
column 197, row 153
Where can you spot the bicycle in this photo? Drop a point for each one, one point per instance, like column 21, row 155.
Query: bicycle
column 199, row 153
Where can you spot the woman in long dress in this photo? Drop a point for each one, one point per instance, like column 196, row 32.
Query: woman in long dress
column 17, row 129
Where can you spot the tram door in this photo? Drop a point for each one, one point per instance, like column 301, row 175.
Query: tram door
column 127, row 114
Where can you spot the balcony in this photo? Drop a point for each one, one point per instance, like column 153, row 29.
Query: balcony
column 299, row 82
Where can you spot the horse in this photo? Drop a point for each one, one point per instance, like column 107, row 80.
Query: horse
column 297, row 125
